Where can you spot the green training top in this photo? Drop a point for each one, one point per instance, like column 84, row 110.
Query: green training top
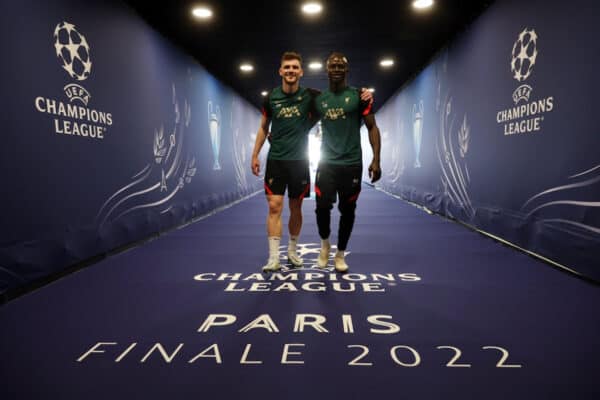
column 292, row 116
column 341, row 115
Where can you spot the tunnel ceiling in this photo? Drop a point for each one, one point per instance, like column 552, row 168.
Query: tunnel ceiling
column 260, row 31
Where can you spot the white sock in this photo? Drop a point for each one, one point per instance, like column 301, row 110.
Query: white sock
column 340, row 253
column 274, row 247
column 325, row 244
column 292, row 244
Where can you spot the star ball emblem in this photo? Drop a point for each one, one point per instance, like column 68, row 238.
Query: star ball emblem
column 309, row 253
column 73, row 51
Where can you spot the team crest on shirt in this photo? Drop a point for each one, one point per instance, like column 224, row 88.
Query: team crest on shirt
column 347, row 99
column 270, row 181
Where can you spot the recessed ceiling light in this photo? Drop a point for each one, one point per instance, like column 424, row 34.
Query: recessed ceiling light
column 312, row 8
column 264, row 93
column 420, row 4
column 246, row 67
column 202, row 12
column 315, row 65
column 386, row 62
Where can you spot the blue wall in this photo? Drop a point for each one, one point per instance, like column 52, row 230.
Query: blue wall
column 108, row 141
column 499, row 132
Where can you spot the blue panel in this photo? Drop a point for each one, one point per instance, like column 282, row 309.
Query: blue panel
column 498, row 131
column 111, row 135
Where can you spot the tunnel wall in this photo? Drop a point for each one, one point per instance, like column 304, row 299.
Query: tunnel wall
column 111, row 135
column 499, row 132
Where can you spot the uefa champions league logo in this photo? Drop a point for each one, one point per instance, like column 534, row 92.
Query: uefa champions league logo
column 526, row 116
column 524, row 54
column 73, row 50
column 309, row 252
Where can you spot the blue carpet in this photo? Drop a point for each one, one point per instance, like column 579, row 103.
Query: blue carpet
column 429, row 309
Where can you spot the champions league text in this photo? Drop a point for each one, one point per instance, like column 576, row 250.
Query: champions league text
column 525, row 118
column 93, row 120
column 307, row 282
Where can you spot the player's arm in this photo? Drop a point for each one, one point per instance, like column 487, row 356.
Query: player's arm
column 261, row 136
column 366, row 109
column 375, row 141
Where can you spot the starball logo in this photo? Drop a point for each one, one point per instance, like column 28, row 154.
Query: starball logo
column 74, row 118
column 525, row 116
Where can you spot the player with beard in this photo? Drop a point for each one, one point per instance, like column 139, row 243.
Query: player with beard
column 340, row 169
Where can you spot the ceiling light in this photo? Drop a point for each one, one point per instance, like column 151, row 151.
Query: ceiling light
column 264, row 93
column 315, row 65
column 386, row 62
column 312, row 8
column 202, row 12
column 246, row 67
column 420, row 4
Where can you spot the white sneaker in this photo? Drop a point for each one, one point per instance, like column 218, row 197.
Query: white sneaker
column 294, row 259
column 340, row 263
column 272, row 266
column 323, row 259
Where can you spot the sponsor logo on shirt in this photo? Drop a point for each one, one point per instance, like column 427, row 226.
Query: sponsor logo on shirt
column 288, row 112
column 335, row 113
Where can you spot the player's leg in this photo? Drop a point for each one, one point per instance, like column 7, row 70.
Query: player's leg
column 350, row 178
column 326, row 194
column 274, row 189
column 298, row 188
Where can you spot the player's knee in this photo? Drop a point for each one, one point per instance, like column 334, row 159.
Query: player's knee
column 295, row 205
column 275, row 206
column 347, row 207
column 323, row 205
